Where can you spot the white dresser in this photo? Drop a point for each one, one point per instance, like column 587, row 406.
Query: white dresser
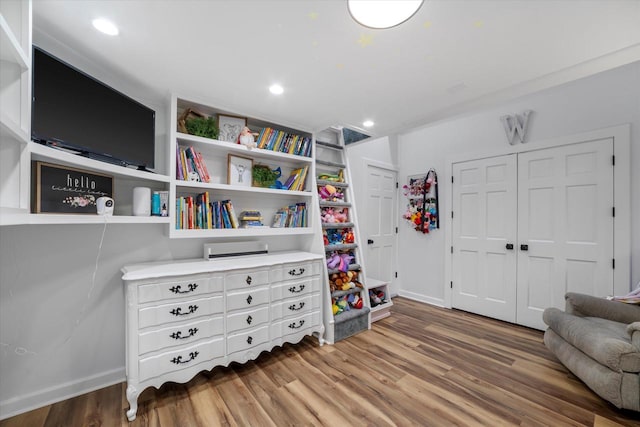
column 188, row 316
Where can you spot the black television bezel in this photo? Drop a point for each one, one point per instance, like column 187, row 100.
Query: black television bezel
column 80, row 149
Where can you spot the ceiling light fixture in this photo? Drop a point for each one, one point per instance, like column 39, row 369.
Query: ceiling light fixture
column 382, row 13
column 367, row 123
column 105, row 26
column 276, row 89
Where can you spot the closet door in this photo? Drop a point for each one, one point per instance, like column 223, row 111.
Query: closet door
column 565, row 226
column 484, row 236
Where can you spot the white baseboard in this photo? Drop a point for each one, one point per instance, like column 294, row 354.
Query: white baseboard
column 422, row 298
column 27, row 402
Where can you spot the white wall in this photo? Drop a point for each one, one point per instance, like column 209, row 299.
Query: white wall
column 381, row 152
column 600, row 101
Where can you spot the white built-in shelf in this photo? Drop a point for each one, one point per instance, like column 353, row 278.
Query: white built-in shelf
column 223, row 147
column 10, row 48
column 202, row 186
column 22, row 217
column 242, row 232
column 57, row 156
column 15, row 131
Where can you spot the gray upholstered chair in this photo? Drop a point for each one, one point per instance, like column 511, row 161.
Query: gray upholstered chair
column 599, row 341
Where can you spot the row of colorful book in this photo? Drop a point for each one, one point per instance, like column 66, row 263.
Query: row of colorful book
column 297, row 180
column 190, row 166
column 278, row 140
column 201, row 213
column 291, row 216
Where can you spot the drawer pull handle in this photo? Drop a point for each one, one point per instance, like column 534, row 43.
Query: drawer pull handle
column 293, row 272
column 178, row 311
column 292, row 289
column 249, row 280
column 249, row 319
column 293, row 307
column 178, row 360
column 178, row 289
column 249, row 299
column 249, row 340
column 178, row 334
column 293, row 325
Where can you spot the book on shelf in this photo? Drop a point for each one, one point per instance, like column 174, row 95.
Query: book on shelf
column 190, row 165
column 284, row 142
column 200, row 213
column 291, row 216
column 297, row 179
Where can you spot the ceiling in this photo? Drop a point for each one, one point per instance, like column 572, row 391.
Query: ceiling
column 449, row 57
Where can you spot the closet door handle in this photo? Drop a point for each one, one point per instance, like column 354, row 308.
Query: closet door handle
column 509, row 246
column 369, row 242
column 524, row 247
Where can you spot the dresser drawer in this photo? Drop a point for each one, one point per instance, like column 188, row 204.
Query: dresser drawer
column 180, row 334
column 295, row 306
column 295, row 288
column 185, row 357
column 246, row 340
column 246, row 279
column 247, row 299
column 181, row 287
column 247, row 319
column 295, row 271
column 183, row 310
column 294, row 325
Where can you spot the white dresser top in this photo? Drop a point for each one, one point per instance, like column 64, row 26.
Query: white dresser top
column 194, row 266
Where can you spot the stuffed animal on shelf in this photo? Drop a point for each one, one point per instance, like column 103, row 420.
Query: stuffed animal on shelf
column 328, row 216
column 333, row 260
column 329, row 193
column 341, row 215
column 246, row 138
column 334, row 236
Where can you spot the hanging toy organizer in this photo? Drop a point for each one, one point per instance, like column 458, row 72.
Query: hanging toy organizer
column 422, row 207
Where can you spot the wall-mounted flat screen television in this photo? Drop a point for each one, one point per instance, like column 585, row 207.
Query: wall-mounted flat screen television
column 72, row 110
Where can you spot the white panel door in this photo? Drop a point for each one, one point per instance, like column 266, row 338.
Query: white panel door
column 565, row 201
column 380, row 223
column 483, row 227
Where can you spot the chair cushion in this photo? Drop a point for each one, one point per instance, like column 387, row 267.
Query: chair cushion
column 603, row 340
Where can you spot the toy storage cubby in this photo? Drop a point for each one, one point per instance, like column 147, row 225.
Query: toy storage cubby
column 347, row 309
column 379, row 299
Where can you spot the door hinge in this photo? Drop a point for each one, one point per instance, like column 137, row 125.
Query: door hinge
column 451, row 214
column 613, row 263
column 451, row 249
column 396, row 185
column 396, row 274
column 451, row 284
column 613, row 211
column 396, row 230
column 452, row 179
column 613, row 160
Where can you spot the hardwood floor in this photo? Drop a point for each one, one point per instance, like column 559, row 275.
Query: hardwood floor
column 422, row 366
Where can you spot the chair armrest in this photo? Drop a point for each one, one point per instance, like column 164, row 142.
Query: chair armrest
column 634, row 332
column 587, row 305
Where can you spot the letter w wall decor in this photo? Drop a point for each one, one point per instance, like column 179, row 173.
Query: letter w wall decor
column 516, row 125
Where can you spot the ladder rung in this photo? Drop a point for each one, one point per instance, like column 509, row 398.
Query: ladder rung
column 333, row 164
column 329, row 145
column 335, row 204
column 340, row 247
column 352, row 267
column 337, row 225
column 335, row 184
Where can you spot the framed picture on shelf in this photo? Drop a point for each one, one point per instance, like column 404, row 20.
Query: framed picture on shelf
column 239, row 170
column 229, row 127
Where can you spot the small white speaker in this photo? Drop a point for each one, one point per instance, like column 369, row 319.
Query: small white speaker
column 141, row 201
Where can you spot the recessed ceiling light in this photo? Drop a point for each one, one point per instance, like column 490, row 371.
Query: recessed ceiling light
column 367, row 123
column 105, row 26
column 382, row 13
column 276, row 89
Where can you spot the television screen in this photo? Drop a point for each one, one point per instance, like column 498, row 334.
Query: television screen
column 75, row 111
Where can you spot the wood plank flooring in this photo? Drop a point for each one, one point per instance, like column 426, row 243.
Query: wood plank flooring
column 423, row 366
